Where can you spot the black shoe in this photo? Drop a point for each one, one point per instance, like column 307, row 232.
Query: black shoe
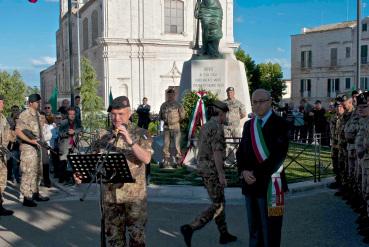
column 333, row 186
column 5, row 212
column 366, row 240
column 364, row 231
column 338, row 193
column 226, row 238
column 39, row 198
column 29, row 202
column 362, row 219
column 187, row 232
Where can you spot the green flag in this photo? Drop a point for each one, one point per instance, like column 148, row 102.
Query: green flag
column 54, row 100
column 110, row 97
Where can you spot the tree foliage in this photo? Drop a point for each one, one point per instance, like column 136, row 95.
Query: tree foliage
column 92, row 103
column 271, row 79
column 13, row 88
column 265, row 75
column 31, row 90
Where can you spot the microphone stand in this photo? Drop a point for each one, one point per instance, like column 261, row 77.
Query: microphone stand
column 98, row 175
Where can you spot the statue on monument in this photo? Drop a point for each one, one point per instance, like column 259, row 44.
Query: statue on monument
column 210, row 13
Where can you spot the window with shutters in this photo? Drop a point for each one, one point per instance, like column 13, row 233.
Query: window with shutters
column 95, row 27
column 305, row 88
column 364, row 83
column 333, row 56
column 348, row 83
column 174, row 16
column 364, row 54
column 333, row 87
column 306, row 59
column 348, row 52
column 85, row 33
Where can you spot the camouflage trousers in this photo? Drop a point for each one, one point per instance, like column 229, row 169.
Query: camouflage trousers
column 230, row 133
column 171, row 135
column 342, row 166
column 365, row 176
column 351, row 164
column 217, row 209
column 334, row 156
column 130, row 216
column 31, row 169
column 3, row 177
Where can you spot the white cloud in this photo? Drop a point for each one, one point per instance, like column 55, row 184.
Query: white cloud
column 43, row 61
column 279, row 49
column 285, row 64
column 239, row 19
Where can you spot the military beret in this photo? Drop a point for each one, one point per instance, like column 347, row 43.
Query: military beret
column 354, row 92
column 220, row 105
column 318, row 102
column 34, row 97
column 346, row 96
column 170, row 90
column 2, row 97
column 119, row 103
column 361, row 99
column 230, row 89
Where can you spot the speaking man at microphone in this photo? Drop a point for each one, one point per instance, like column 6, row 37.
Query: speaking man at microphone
column 125, row 205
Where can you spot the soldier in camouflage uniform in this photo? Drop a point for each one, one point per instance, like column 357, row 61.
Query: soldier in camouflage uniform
column 333, row 122
column 342, row 144
column 125, row 205
column 237, row 111
column 172, row 113
column 5, row 137
column 362, row 145
column 210, row 167
column 351, row 129
column 30, row 165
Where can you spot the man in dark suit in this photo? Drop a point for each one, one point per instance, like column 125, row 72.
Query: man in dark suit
column 256, row 164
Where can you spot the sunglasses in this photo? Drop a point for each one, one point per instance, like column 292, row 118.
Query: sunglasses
column 47, row 107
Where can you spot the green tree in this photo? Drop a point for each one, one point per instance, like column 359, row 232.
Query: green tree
column 92, row 104
column 13, row 88
column 31, row 90
column 271, row 79
column 252, row 72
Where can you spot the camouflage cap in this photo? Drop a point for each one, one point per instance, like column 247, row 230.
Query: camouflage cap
column 34, row 98
column 362, row 99
column 220, row 105
column 120, row 102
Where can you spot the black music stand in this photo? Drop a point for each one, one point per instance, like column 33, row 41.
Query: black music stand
column 103, row 168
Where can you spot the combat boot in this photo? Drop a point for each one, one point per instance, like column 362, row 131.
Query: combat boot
column 5, row 212
column 28, row 202
column 187, row 232
column 226, row 238
column 39, row 198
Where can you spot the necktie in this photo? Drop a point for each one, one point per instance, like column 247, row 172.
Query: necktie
column 260, row 122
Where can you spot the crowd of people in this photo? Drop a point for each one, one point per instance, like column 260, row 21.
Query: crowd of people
column 306, row 120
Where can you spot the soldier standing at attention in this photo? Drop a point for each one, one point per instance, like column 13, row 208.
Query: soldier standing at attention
column 237, row 111
column 30, row 152
column 125, row 205
column 211, row 168
column 172, row 113
column 5, row 136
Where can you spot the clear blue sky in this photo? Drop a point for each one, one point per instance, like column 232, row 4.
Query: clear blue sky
column 262, row 27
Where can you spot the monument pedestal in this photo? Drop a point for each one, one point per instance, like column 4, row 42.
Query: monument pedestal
column 216, row 75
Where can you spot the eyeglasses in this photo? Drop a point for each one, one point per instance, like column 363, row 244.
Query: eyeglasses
column 47, row 107
column 255, row 102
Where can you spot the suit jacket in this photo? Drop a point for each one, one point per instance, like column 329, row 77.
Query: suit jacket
column 275, row 133
column 64, row 142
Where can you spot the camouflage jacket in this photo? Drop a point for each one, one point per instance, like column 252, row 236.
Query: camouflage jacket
column 342, row 142
column 128, row 192
column 332, row 127
column 236, row 110
column 5, row 133
column 211, row 140
column 172, row 113
column 28, row 121
column 359, row 139
column 365, row 129
column 351, row 129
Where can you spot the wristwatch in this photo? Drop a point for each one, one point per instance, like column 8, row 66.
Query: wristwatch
column 131, row 145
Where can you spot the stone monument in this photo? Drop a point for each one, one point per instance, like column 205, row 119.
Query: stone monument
column 210, row 70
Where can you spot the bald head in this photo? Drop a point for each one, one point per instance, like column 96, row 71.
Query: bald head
column 261, row 102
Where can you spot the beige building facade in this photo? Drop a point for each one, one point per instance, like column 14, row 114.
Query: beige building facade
column 136, row 47
column 323, row 61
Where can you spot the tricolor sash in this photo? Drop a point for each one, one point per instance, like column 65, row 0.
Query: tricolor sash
column 258, row 143
column 275, row 196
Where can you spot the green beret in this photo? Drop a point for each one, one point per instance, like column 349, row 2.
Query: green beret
column 34, row 97
column 220, row 105
column 119, row 103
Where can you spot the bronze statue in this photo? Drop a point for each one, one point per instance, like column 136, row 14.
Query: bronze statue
column 210, row 13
